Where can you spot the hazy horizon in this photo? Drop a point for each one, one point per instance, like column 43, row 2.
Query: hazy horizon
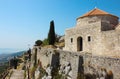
column 10, row 50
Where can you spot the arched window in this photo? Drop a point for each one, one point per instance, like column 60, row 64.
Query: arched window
column 89, row 38
column 71, row 40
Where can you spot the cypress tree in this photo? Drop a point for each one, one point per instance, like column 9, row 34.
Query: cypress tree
column 51, row 34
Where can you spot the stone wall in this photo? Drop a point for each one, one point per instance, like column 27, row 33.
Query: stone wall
column 95, row 65
column 91, row 64
column 56, row 58
column 92, row 30
column 43, row 55
column 72, row 58
column 81, row 62
column 110, row 43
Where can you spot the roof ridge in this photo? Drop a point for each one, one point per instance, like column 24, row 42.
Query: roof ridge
column 96, row 11
column 92, row 11
column 102, row 10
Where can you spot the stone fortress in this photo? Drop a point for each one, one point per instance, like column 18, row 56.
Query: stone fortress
column 97, row 32
column 92, row 48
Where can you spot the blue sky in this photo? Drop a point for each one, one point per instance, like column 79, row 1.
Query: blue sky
column 22, row 22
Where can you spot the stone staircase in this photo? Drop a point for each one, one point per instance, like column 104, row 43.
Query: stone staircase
column 17, row 74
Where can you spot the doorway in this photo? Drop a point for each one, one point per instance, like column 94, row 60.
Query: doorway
column 79, row 44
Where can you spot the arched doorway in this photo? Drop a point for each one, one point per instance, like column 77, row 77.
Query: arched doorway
column 79, row 44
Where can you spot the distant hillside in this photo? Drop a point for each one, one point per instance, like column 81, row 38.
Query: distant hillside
column 6, row 57
column 17, row 53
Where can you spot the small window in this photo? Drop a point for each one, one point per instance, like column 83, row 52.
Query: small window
column 89, row 38
column 71, row 40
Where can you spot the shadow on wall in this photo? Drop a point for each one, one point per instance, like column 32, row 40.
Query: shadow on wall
column 80, row 65
column 55, row 60
column 80, row 68
column 102, row 74
column 108, row 75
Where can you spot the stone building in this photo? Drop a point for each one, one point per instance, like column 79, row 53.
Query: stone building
column 96, row 32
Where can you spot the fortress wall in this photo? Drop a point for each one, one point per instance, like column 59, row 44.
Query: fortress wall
column 72, row 59
column 95, row 64
column 43, row 55
column 80, row 61
column 55, row 57
column 110, row 43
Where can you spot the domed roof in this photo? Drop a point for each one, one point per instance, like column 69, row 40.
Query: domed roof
column 95, row 12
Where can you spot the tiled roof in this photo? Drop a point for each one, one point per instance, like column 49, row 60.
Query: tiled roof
column 96, row 11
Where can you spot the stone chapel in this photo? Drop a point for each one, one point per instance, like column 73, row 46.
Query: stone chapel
column 96, row 32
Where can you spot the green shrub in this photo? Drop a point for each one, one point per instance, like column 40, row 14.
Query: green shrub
column 38, row 43
column 45, row 41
